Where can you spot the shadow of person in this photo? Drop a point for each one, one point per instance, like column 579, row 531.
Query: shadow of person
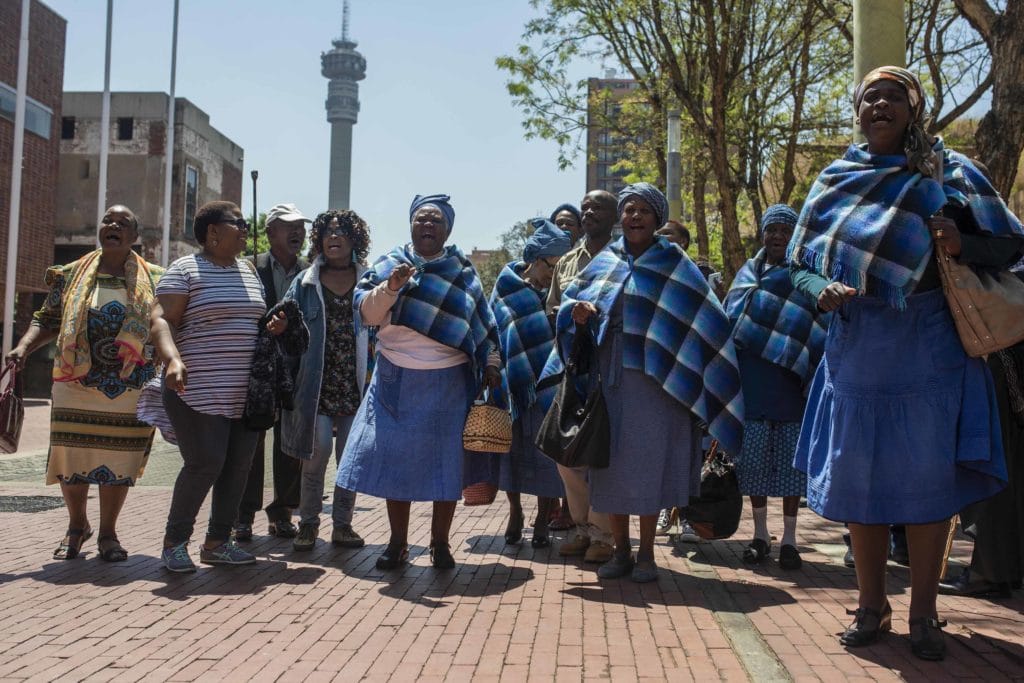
column 496, row 545
column 968, row 655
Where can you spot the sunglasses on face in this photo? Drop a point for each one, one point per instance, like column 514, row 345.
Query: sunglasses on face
column 237, row 222
column 335, row 232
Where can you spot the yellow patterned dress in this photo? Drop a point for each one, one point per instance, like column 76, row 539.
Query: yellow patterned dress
column 95, row 437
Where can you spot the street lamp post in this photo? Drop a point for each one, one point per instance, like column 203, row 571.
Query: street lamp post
column 879, row 38
column 255, row 213
column 673, row 165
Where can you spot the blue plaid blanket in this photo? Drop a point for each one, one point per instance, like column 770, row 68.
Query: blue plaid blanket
column 443, row 300
column 864, row 221
column 674, row 330
column 773, row 320
column 525, row 334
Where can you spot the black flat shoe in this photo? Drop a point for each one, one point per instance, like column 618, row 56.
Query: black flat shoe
column 540, row 542
column 926, row 640
column 71, row 545
column 789, row 557
column 393, row 557
column 756, row 552
column 283, row 528
column 441, row 556
column 964, row 587
column 514, row 530
column 867, row 625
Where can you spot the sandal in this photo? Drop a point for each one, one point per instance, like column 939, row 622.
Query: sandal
column 563, row 521
column 540, row 541
column 867, row 625
column 926, row 638
column 393, row 557
column 789, row 557
column 441, row 556
column 756, row 552
column 514, row 530
column 114, row 552
column 68, row 549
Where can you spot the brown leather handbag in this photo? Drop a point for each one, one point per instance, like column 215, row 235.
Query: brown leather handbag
column 12, row 409
column 987, row 308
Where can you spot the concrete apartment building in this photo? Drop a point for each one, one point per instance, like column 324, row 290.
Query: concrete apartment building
column 604, row 146
column 207, row 166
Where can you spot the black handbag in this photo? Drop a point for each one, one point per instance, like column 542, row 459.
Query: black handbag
column 716, row 512
column 576, row 432
column 12, row 408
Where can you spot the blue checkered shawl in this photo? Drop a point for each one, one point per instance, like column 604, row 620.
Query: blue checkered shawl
column 864, row 221
column 774, row 320
column 674, row 330
column 443, row 300
column 525, row 334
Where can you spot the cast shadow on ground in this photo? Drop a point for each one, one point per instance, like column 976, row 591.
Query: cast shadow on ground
column 495, row 545
column 964, row 654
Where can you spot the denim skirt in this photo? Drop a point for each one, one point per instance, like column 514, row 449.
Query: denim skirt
column 406, row 438
column 901, row 425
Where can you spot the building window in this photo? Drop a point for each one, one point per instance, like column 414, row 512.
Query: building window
column 83, row 169
column 125, row 128
column 38, row 117
column 67, row 128
column 191, row 196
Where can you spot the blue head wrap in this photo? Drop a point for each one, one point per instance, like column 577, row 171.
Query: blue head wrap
column 650, row 194
column 571, row 209
column 778, row 213
column 438, row 200
column 547, row 240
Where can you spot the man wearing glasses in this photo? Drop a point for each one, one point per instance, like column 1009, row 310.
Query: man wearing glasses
column 286, row 232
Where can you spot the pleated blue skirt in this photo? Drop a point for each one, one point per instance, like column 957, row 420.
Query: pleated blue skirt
column 901, row 425
column 406, row 438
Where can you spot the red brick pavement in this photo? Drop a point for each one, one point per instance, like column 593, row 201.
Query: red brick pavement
column 503, row 614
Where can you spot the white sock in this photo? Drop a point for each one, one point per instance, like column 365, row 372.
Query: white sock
column 761, row 524
column 789, row 530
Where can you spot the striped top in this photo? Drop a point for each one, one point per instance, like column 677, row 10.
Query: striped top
column 217, row 334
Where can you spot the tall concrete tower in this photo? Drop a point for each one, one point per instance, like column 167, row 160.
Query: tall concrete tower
column 344, row 66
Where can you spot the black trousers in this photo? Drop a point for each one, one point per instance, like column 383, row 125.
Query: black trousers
column 287, row 483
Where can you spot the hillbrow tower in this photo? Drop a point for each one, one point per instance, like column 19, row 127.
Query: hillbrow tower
column 345, row 67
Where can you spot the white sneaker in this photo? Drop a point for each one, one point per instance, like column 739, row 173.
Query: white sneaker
column 664, row 522
column 688, row 535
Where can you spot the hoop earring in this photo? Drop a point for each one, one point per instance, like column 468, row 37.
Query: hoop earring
column 857, row 120
column 215, row 242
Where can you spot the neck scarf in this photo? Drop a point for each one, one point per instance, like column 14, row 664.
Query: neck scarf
column 74, row 357
column 674, row 330
column 773, row 320
column 525, row 334
column 443, row 300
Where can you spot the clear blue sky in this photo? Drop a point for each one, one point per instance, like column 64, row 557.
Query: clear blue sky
column 435, row 116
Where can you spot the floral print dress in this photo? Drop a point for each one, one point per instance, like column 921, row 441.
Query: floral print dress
column 339, row 390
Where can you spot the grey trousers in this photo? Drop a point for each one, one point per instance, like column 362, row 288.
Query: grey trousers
column 313, row 470
column 217, row 453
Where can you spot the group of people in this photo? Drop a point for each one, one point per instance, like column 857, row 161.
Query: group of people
column 830, row 369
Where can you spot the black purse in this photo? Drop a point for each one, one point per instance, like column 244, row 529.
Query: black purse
column 12, row 408
column 577, row 432
column 716, row 512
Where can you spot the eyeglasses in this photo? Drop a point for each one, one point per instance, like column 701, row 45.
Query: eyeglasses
column 334, row 232
column 549, row 264
column 237, row 222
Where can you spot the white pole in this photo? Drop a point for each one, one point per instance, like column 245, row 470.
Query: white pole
column 11, row 283
column 101, row 197
column 165, row 248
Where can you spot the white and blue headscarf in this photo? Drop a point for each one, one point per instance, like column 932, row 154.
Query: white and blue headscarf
column 650, row 194
column 547, row 239
column 439, row 201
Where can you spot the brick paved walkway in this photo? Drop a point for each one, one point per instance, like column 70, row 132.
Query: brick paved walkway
column 503, row 614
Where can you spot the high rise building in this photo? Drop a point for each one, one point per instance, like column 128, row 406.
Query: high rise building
column 604, row 146
column 345, row 67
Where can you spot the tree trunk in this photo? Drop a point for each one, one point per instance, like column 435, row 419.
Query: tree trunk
column 700, row 214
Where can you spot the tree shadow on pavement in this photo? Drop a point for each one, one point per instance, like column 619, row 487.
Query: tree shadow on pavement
column 968, row 655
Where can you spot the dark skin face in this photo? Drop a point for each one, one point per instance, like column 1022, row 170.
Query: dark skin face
column 598, row 210
column 775, row 239
column 429, row 231
column 286, row 238
column 884, row 114
column 566, row 220
column 117, row 232
column 673, row 235
column 335, row 245
column 639, row 223
column 225, row 240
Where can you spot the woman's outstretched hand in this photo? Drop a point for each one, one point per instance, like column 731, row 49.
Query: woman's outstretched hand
column 583, row 311
column 834, row 296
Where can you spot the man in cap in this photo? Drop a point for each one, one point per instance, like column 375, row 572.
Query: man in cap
column 286, row 232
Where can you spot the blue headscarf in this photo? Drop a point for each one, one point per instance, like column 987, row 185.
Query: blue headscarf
column 437, row 200
column 778, row 213
column 547, row 240
column 650, row 194
column 571, row 209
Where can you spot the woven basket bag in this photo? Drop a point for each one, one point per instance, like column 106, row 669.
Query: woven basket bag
column 488, row 428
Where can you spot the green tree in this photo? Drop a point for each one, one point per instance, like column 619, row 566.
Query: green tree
column 512, row 242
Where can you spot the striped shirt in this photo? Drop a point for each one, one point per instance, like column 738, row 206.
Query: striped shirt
column 217, row 334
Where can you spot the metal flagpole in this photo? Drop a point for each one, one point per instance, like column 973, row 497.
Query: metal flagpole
column 11, row 282
column 165, row 248
column 101, row 197
column 255, row 214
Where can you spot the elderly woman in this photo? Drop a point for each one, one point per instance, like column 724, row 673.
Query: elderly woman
column 518, row 302
column 437, row 342
column 332, row 373
column 901, row 425
column 666, row 362
column 779, row 336
column 213, row 302
column 568, row 218
column 103, row 312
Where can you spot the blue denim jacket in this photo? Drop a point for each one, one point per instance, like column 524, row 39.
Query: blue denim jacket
column 297, row 426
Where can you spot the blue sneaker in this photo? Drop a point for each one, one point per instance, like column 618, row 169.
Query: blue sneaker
column 176, row 559
column 226, row 553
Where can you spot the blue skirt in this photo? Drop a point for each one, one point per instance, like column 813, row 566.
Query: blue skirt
column 764, row 466
column 901, row 425
column 524, row 469
column 406, row 438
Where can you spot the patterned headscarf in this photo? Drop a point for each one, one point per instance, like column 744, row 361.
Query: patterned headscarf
column 778, row 213
column 917, row 145
column 438, row 201
column 547, row 240
column 650, row 194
